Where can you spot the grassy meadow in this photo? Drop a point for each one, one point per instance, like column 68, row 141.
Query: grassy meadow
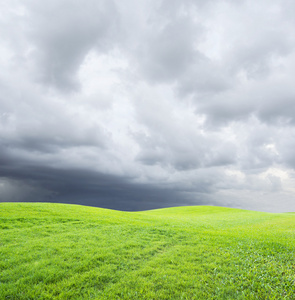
column 60, row 251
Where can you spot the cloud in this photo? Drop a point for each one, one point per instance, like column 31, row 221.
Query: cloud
column 58, row 36
column 17, row 191
column 148, row 104
column 78, row 186
column 168, row 52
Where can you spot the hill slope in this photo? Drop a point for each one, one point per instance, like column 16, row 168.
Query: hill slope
column 59, row 251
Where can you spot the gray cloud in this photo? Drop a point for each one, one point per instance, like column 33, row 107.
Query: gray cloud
column 62, row 33
column 169, row 51
column 139, row 105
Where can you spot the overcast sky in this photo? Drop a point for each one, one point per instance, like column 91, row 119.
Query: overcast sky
column 143, row 104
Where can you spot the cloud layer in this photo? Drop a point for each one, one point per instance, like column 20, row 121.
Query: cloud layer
column 139, row 105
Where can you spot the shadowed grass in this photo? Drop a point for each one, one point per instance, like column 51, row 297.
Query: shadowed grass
column 59, row 251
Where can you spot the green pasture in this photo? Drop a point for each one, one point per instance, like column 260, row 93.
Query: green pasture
column 60, row 251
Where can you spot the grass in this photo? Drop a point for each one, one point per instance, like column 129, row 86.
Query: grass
column 59, row 251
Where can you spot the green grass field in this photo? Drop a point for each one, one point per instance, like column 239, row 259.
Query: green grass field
column 59, row 251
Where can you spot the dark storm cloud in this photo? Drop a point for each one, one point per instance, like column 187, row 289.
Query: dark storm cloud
column 45, row 184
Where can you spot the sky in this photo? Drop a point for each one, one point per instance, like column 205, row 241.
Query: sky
column 136, row 105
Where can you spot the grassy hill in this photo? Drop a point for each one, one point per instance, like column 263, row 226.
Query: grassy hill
column 59, row 251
